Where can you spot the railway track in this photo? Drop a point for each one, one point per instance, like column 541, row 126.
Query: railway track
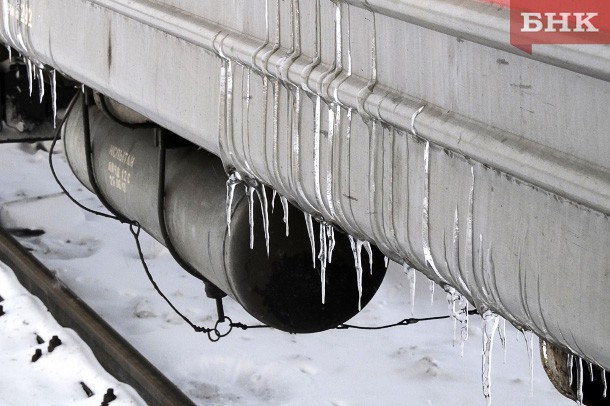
column 113, row 352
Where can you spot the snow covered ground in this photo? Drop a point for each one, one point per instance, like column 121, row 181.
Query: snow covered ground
column 412, row 365
column 39, row 370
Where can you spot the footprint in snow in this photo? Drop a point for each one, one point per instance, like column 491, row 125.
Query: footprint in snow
column 65, row 249
column 427, row 367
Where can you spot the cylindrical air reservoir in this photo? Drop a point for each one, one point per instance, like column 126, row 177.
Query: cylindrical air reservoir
column 282, row 289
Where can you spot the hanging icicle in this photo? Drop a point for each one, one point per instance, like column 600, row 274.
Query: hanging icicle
column 30, row 69
column 284, row 202
column 356, row 246
column 312, row 241
column 323, row 257
column 411, row 276
column 262, row 198
column 250, row 196
column 490, row 325
column 579, row 381
column 369, row 251
column 273, row 196
column 232, row 182
column 529, row 341
column 54, row 96
column 502, row 334
column 458, row 310
column 330, row 233
column 40, row 78
column 570, row 366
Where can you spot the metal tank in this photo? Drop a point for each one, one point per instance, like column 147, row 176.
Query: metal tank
column 282, row 288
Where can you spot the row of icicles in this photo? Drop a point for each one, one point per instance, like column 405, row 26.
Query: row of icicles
column 457, row 304
column 36, row 71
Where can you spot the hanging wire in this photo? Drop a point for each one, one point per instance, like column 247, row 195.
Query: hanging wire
column 134, row 227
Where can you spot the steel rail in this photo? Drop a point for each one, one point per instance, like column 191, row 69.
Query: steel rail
column 112, row 351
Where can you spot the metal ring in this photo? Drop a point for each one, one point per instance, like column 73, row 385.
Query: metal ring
column 218, row 322
column 212, row 338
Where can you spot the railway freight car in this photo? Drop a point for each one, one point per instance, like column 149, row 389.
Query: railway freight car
column 413, row 129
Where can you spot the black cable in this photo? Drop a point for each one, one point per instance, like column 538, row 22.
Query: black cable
column 56, row 137
column 404, row 322
column 135, row 229
column 89, row 159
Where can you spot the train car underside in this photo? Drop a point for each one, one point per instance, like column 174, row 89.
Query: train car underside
column 417, row 129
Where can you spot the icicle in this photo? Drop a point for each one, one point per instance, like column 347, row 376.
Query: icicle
column 54, row 96
column 411, row 276
column 273, row 196
column 357, row 252
column 425, row 215
column 309, row 224
column 262, row 198
column 529, row 341
column 432, row 292
column 502, row 334
column 247, row 118
column 10, row 54
column 329, row 173
column 570, row 366
column 604, row 382
column 330, row 233
column 316, row 152
column 464, row 327
column 369, row 251
column 590, row 365
column 386, row 262
column 284, row 202
column 579, row 382
column 40, row 78
column 323, row 256
column 458, row 310
column 451, row 299
column 234, row 179
column 250, row 195
column 359, row 270
column 490, row 325
column 30, row 75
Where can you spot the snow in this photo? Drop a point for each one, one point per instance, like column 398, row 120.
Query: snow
column 54, row 378
column 96, row 258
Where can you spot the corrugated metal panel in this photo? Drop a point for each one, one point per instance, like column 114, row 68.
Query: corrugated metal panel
column 500, row 186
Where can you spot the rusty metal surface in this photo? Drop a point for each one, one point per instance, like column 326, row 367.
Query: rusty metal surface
column 500, row 186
